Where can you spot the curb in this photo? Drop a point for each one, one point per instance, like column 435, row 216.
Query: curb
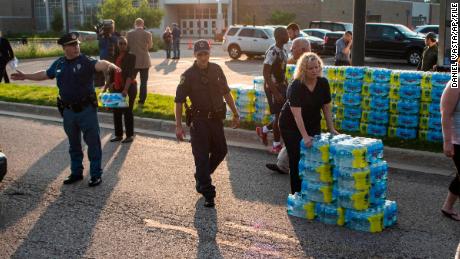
column 397, row 158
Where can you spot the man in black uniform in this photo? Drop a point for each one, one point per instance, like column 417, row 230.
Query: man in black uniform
column 430, row 53
column 205, row 84
column 77, row 103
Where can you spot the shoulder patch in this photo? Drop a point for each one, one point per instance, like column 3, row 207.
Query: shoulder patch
column 182, row 80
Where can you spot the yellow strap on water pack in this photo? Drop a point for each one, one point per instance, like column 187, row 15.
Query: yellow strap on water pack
column 325, row 174
column 376, row 223
column 360, row 200
column 309, row 208
column 358, row 158
column 327, row 193
column 362, row 180
column 341, row 216
column 324, row 153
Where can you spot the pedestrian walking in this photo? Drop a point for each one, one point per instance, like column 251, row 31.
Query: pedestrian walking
column 140, row 42
column 298, row 48
column 450, row 112
column 123, row 82
column 176, row 41
column 274, row 72
column 6, row 55
column 206, row 86
column 300, row 119
column 343, row 49
column 430, row 53
column 168, row 40
column 77, row 103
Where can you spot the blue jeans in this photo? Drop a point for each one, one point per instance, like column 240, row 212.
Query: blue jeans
column 86, row 122
column 176, row 49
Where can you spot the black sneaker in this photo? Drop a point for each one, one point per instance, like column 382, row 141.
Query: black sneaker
column 95, row 181
column 73, row 178
column 275, row 167
column 116, row 139
column 128, row 139
column 209, row 203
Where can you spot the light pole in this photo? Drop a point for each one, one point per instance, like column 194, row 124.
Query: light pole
column 47, row 14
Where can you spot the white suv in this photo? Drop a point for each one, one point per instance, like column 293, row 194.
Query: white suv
column 249, row 40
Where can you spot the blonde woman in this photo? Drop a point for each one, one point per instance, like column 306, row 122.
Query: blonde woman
column 300, row 118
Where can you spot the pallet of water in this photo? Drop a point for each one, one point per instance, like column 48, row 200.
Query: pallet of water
column 344, row 182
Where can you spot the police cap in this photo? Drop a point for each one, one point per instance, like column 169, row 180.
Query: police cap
column 69, row 38
column 201, row 46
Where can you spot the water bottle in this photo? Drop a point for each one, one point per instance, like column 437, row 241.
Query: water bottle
column 351, row 99
column 350, row 125
column 316, row 172
column 353, row 178
column 353, row 113
column 436, row 94
column 353, row 86
column 425, row 95
column 378, row 171
column 390, row 213
column 295, row 205
column 375, row 117
column 330, row 214
column 401, row 120
column 409, row 92
column 366, row 89
column 352, row 199
column 410, row 78
column 355, row 73
column 374, row 149
column 435, row 108
column 317, row 192
column 381, row 75
column 440, row 79
column 379, row 89
column 379, row 103
column 13, row 64
column 409, row 107
column 374, row 129
column 370, row 220
column 378, row 193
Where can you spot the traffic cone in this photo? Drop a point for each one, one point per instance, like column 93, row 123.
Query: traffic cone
column 190, row 45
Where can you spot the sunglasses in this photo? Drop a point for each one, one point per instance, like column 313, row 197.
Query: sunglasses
column 122, row 43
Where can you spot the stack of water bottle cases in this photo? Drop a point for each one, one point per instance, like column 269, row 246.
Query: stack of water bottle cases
column 344, row 182
column 251, row 101
column 382, row 102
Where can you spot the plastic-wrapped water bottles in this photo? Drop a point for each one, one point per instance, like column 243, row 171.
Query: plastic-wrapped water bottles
column 401, row 120
column 432, row 122
column 317, row 192
column 112, row 100
column 375, row 117
column 440, row 79
column 352, row 199
column 390, row 213
column 259, row 83
column 295, row 205
column 370, row 220
column 315, row 172
column 353, row 178
column 355, row 73
column 330, row 214
column 402, row 133
column 378, row 193
column 350, row 125
column 379, row 171
column 373, row 129
column 405, row 92
column 436, row 94
column 430, row 135
column 290, row 68
column 381, row 75
column 352, row 86
column 330, row 72
column 404, row 106
column 351, row 99
column 410, row 78
column 379, row 89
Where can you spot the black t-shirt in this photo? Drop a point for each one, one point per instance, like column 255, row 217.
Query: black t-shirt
column 298, row 95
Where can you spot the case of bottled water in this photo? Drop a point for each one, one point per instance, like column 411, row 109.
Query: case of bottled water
column 379, row 89
column 330, row 214
column 353, row 86
column 410, row 78
column 112, row 100
column 411, row 107
column 318, row 192
column 375, row 117
column 355, row 73
column 373, row 129
column 370, row 220
column 402, row 133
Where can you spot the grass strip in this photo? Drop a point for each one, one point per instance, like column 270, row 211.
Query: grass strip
column 159, row 106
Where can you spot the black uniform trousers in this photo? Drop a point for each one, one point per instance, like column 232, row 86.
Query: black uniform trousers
column 3, row 74
column 127, row 112
column 209, row 149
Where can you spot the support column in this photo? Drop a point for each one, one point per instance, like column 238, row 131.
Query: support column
column 359, row 32
column 47, row 14
column 220, row 18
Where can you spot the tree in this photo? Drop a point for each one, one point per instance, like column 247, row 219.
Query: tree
column 124, row 13
column 58, row 22
column 281, row 18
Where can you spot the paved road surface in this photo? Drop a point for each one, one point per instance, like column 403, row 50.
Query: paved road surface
column 147, row 207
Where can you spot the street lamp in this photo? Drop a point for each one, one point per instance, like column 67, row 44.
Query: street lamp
column 47, row 14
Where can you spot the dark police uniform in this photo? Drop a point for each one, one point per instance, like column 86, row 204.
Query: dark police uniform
column 205, row 88
column 75, row 82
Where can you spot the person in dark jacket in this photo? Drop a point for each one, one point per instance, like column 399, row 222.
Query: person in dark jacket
column 6, row 55
column 176, row 41
column 123, row 82
column 430, row 53
column 168, row 40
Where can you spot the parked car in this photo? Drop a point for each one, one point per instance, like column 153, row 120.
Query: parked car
column 386, row 40
column 330, row 40
column 332, row 26
column 424, row 29
column 249, row 40
column 3, row 165
column 320, row 33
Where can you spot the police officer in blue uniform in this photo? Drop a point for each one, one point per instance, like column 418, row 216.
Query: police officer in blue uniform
column 77, row 103
column 206, row 86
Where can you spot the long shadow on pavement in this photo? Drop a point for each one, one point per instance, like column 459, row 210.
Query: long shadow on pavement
column 252, row 181
column 167, row 66
column 24, row 194
column 66, row 228
column 421, row 232
column 206, row 225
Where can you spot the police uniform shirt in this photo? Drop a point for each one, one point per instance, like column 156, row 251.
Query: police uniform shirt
column 429, row 58
column 74, row 77
column 277, row 58
column 204, row 87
